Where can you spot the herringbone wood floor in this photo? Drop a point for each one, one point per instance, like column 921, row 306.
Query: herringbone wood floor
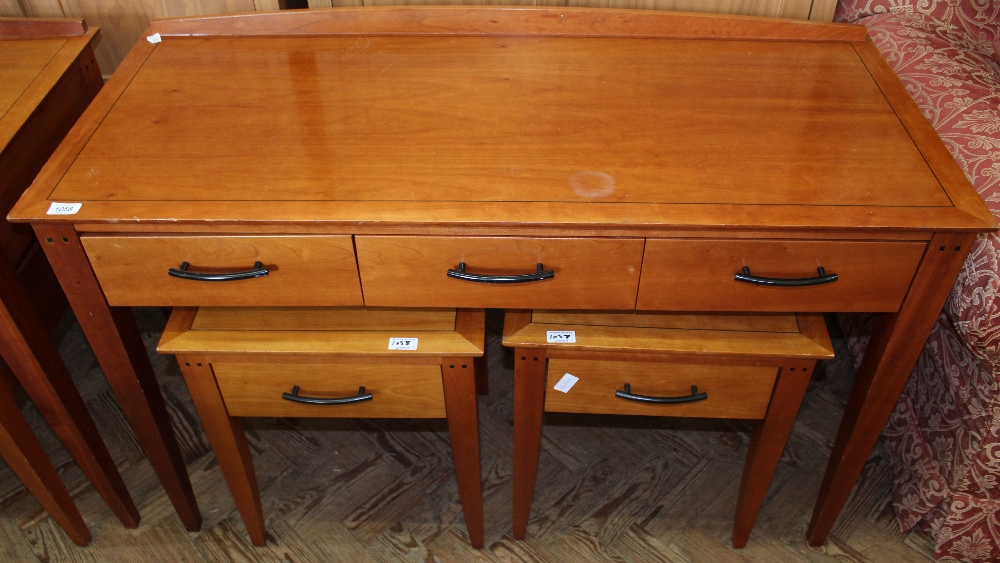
column 609, row 488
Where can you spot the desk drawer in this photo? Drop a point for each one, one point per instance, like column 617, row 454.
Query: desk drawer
column 413, row 271
column 734, row 390
column 302, row 270
column 699, row 275
column 398, row 390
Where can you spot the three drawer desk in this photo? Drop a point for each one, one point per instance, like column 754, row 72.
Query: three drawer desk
column 586, row 159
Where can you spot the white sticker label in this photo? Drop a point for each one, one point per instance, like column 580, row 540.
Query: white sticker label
column 566, row 383
column 56, row 208
column 154, row 38
column 403, row 343
column 560, row 336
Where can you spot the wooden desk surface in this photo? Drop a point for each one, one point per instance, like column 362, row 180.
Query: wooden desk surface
column 674, row 130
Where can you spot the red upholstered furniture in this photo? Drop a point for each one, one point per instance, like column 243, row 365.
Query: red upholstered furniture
column 944, row 435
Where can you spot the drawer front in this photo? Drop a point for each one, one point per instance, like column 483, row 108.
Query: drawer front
column 734, row 391
column 699, row 275
column 413, row 271
column 398, row 390
column 302, row 270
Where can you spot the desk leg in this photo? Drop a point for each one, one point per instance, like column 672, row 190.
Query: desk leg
column 115, row 339
column 27, row 347
column 529, row 405
column 895, row 345
column 229, row 442
column 767, row 443
column 459, row 378
column 20, row 448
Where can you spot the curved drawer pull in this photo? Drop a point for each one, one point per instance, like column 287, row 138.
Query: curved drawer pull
column 183, row 272
column 540, row 274
column 693, row 397
column 820, row 279
column 296, row 398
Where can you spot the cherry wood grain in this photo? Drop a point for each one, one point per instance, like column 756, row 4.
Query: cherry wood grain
column 229, row 443
column 41, row 27
column 398, row 391
column 125, row 364
column 411, row 271
column 25, row 456
column 767, row 443
column 653, row 340
column 460, row 391
column 458, row 122
column 734, row 391
column 26, row 347
column 45, row 83
column 311, row 269
column 699, row 275
column 324, row 319
column 240, row 374
column 529, row 401
column 506, row 21
column 893, row 350
column 650, row 319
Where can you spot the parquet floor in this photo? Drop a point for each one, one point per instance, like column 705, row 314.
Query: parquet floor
column 609, row 488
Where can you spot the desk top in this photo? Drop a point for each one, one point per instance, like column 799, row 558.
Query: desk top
column 507, row 116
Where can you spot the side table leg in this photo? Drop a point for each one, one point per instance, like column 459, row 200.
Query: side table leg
column 459, row 378
column 229, row 442
column 119, row 349
column 766, row 445
column 529, row 404
column 895, row 345
column 20, row 448
column 27, row 348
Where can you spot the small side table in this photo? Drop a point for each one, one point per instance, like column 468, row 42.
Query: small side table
column 663, row 364
column 330, row 362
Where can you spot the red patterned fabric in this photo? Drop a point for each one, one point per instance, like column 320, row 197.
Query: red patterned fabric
column 945, row 429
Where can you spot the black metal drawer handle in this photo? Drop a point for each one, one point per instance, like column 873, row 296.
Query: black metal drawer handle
column 822, row 278
column 296, row 398
column 183, row 272
column 540, row 274
column 695, row 396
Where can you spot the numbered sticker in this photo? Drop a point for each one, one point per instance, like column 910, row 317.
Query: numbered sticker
column 56, row 208
column 560, row 336
column 566, row 383
column 403, row 343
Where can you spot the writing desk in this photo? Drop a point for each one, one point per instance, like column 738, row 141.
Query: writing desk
column 607, row 159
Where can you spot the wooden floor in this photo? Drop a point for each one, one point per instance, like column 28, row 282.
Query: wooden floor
column 609, row 488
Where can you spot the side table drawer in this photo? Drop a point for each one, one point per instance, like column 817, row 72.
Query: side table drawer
column 302, row 270
column 699, row 275
column 398, row 390
column 413, row 271
column 734, row 390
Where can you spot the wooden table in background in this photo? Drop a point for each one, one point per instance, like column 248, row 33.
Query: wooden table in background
column 47, row 77
column 361, row 154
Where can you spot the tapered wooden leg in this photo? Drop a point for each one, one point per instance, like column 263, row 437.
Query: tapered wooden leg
column 229, row 443
column 895, row 345
column 459, row 378
column 116, row 342
column 27, row 348
column 529, row 403
column 767, row 443
column 20, row 448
